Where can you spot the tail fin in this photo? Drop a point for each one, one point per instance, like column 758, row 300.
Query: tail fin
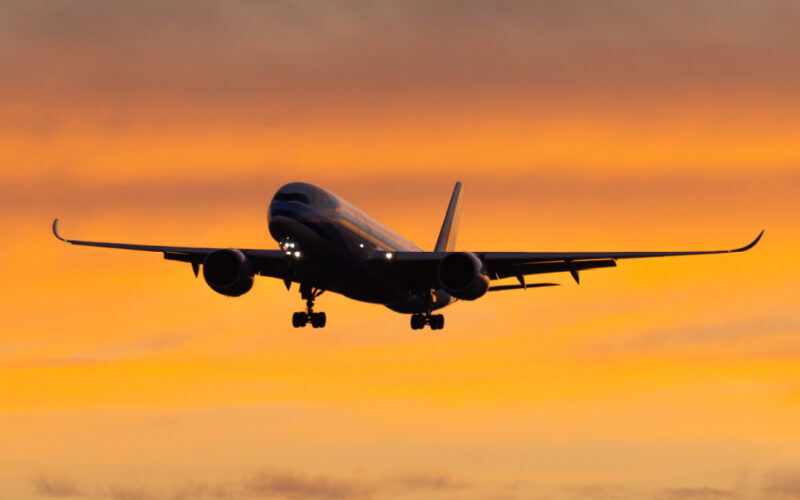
column 447, row 236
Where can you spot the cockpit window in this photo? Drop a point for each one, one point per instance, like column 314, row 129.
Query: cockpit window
column 293, row 197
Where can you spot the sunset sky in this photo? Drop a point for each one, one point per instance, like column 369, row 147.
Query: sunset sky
column 574, row 125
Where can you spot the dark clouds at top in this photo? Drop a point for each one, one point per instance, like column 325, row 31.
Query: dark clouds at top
column 284, row 58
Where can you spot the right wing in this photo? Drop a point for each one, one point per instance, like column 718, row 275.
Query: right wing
column 507, row 264
column 273, row 263
column 418, row 269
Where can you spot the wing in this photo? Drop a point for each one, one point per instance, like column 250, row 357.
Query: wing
column 419, row 268
column 267, row 262
column 506, row 264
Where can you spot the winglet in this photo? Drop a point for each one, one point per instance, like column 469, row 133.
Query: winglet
column 751, row 245
column 447, row 236
column 55, row 231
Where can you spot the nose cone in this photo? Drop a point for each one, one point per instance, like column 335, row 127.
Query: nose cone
column 293, row 202
column 305, row 189
column 293, row 210
column 303, row 194
column 290, row 199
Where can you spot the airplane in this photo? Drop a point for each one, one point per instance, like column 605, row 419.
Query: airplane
column 327, row 244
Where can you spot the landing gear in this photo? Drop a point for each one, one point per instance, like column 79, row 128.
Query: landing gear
column 301, row 319
column 318, row 320
column 436, row 321
column 418, row 321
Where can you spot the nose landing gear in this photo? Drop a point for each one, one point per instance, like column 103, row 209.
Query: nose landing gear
column 302, row 318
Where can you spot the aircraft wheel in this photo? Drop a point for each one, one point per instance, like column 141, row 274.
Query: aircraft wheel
column 318, row 320
column 299, row 319
column 437, row 322
column 417, row 321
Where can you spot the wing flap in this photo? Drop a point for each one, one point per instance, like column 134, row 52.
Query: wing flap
column 498, row 288
column 509, row 269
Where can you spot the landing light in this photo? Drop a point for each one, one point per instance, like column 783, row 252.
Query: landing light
column 297, row 254
column 288, row 253
column 361, row 245
column 389, row 255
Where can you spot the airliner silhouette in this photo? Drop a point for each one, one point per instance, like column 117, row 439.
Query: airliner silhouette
column 327, row 244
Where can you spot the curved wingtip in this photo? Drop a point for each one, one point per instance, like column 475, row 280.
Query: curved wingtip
column 55, row 231
column 751, row 244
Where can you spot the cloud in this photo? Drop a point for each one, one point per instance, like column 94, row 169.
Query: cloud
column 298, row 486
column 782, row 484
column 139, row 347
column 544, row 186
column 597, row 491
column 295, row 485
column 128, row 492
column 48, row 486
column 267, row 483
column 270, row 61
column 423, row 482
column 703, row 493
column 203, row 490
column 780, row 321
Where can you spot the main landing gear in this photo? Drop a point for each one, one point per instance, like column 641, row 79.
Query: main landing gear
column 418, row 321
column 302, row 318
column 436, row 321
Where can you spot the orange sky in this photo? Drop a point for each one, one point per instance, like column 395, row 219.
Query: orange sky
column 574, row 126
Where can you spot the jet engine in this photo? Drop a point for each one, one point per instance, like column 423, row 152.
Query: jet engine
column 461, row 275
column 228, row 272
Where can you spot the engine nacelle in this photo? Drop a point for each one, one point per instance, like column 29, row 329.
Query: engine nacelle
column 461, row 275
column 228, row 272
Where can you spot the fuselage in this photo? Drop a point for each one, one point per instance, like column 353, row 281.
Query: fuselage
column 337, row 244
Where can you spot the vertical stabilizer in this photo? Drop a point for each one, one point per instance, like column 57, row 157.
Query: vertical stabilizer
column 447, row 236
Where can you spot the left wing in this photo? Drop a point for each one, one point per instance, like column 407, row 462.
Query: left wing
column 419, row 268
column 267, row 262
